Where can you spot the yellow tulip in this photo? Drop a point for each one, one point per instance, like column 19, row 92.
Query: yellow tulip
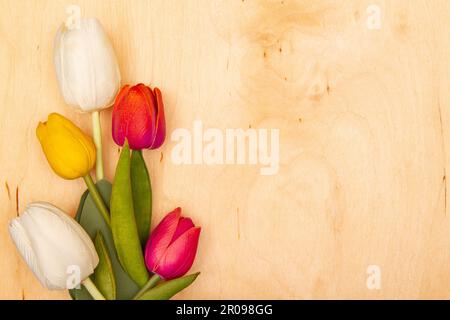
column 70, row 152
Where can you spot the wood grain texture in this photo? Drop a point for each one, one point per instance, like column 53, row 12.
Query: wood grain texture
column 364, row 138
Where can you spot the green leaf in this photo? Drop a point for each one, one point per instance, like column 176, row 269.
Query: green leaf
column 168, row 289
column 92, row 221
column 142, row 195
column 123, row 223
column 104, row 274
column 81, row 205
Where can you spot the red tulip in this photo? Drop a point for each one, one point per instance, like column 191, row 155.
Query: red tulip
column 171, row 248
column 138, row 116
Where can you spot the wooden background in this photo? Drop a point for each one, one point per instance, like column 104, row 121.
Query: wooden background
column 364, row 138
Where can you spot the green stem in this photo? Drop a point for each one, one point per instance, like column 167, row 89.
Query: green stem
column 93, row 291
column 150, row 284
column 97, row 133
column 98, row 200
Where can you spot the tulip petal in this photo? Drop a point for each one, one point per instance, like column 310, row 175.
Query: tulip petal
column 150, row 97
column 58, row 61
column 141, row 127
column 138, row 116
column 152, row 110
column 25, row 248
column 57, row 245
column 52, row 153
column 184, row 224
column 122, row 94
column 180, row 255
column 160, row 135
column 86, row 66
column 52, row 246
column 160, row 238
column 69, row 151
column 137, row 119
column 119, row 126
column 42, row 133
column 84, row 141
column 76, row 227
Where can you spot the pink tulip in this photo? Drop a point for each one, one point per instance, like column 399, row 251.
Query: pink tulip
column 138, row 116
column 171, row 248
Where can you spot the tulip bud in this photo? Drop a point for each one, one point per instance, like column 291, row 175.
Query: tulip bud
column 70, row 152
column 86, row 66
column 138, row 116
column 171, row 248
column 55, row 247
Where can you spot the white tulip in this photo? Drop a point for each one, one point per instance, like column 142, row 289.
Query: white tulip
column 86, row 65
column 53, row 245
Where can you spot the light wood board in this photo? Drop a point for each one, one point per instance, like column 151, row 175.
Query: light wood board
column 364, row 138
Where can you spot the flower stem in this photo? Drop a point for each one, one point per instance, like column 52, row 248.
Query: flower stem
column 98, row 200
column 93, row 291
column 97, row 133
column 150, row 284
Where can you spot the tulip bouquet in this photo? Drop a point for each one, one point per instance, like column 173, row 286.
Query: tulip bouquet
column 107, row 251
